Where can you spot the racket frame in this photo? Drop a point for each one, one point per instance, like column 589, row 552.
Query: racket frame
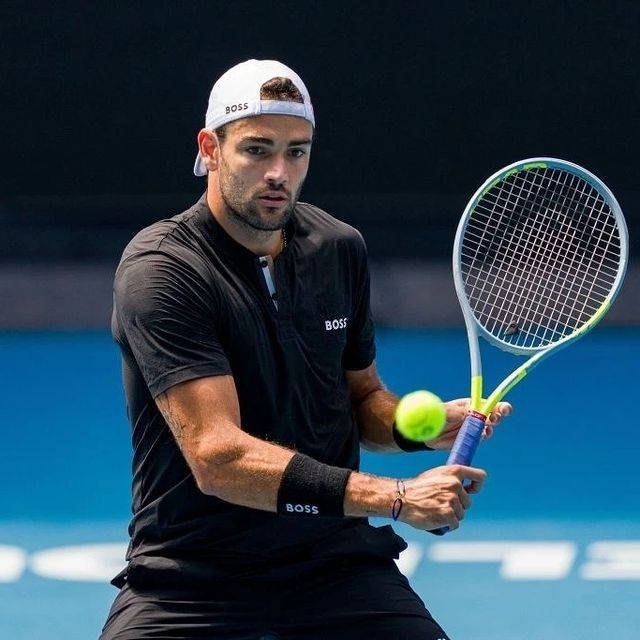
column 474, row 328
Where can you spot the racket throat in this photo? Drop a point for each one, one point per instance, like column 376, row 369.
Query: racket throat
column 476, row 392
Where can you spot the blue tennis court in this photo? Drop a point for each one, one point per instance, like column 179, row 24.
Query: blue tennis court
column 551, row 549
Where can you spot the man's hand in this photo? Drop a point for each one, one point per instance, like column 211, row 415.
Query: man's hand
column 456, row 413
column 437, row 498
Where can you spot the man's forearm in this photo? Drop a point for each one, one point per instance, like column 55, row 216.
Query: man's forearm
column 369, row 495
column 239, row 468
column 375, row 415
column 249, row 476
column 252, row 478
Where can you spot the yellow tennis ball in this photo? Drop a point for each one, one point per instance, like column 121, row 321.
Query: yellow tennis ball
column 420, row 416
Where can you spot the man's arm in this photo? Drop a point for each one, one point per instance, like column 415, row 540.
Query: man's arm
column 226, row 462
column 204, row 416
column 375, row 407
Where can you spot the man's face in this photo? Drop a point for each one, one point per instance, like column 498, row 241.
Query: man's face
column 262, row 165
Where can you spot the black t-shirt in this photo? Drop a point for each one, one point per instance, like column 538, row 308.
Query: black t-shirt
column 191, row 302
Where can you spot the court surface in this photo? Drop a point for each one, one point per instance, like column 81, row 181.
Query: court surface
column 550, row 550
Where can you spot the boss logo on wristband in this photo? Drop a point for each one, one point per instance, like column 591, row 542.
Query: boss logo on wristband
column 302, row 508
column 305, row 479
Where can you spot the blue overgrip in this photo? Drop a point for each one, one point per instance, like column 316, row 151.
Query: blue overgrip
column 467, row 440
column 464, row 447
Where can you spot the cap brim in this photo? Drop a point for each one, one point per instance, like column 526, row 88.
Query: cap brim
column 198, row 168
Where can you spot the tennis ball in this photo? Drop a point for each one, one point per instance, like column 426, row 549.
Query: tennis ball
column 420, row 416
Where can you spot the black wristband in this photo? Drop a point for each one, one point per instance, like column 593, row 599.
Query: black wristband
column 408, row 445
column 312, row 488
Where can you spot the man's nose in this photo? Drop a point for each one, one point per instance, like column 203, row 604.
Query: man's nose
column 277, row 173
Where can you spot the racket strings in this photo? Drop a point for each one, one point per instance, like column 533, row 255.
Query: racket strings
column 569, row 290
column 535, row 284
column 522, row 273
column 540, row 254
column 532, row 242
column 533, row 238
column 528, row 274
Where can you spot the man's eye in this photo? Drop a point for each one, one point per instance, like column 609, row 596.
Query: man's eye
column 255, row 151
column 297, row 153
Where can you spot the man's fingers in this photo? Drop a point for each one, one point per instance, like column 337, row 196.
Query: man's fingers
column 465, row 500
column 470, row 473
column 499, row 411
column 473, row 487
column 477, row 476
column 463, row 496
column 456, row 412
column 458, row 509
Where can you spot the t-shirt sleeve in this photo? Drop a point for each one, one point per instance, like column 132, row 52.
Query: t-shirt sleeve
column 167, row 317
column 360, row 350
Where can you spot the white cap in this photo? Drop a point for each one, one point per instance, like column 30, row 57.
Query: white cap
column 236, row 95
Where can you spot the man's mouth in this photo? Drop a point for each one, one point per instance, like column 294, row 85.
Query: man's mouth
column 273, row 199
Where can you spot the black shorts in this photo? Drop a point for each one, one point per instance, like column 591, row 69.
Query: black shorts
column 350, row 598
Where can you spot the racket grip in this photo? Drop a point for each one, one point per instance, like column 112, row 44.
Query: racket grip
column 467, row 440
column 464, row 447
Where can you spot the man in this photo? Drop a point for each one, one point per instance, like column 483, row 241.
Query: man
column 248, row 364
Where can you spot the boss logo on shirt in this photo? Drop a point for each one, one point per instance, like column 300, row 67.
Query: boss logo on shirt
column 338, row 323
column 302, row 508
column 236, row 107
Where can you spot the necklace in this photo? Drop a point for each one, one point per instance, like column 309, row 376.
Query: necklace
column 283, row 240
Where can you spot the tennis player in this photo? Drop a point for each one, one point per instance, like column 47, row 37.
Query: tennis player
column 248, row 363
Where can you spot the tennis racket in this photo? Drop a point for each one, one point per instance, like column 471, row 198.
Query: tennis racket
column 539, row 256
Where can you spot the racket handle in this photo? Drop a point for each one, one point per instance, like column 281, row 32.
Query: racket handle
column 465, row 447
column 467, row 440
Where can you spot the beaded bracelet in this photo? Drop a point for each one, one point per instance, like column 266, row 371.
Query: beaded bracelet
column 396, row 508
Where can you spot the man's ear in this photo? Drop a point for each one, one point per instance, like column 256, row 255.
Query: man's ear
column 209, row 146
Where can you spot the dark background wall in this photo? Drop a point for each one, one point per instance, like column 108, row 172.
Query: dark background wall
column 416, row 103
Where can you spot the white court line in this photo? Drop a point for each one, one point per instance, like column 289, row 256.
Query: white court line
column 410, row 558
column 13, row 561
column 86, row 563
column 612, row 560
column 518, row 560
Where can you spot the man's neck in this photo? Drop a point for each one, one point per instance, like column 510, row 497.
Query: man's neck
column 261, row 243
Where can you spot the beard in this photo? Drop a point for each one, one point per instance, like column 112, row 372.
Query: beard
column 246, row 211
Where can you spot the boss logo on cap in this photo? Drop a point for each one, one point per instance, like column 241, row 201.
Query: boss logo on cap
column 236, row 107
